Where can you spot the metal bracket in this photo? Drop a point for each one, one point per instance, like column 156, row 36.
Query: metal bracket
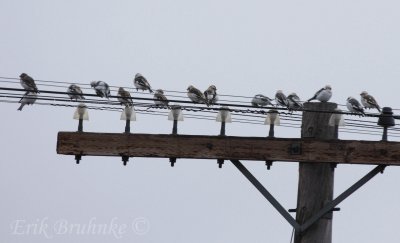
column 295, row 149
column 329, row 207
column 125, row 159
column 172, row 161
column 268, row 163
column 78, row 158
column 266, row 194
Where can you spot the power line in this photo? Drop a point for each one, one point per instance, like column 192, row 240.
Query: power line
column 189, row 108
column 172, row 91
column 253, row 109
column 202, row 117
column 246, row 112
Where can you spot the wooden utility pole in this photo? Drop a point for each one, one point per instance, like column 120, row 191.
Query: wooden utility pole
column 315, row 180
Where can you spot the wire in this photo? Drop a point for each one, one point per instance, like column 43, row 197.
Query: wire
column 244, row 113
column 54, row 99
column 50, row 98
column 251, row 110
column 245, row 121
column 172, row 91
column 236, row 96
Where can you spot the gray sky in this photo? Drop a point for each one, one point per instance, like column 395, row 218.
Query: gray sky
column 244, row 48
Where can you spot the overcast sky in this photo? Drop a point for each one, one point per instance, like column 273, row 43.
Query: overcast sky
column 244, row 48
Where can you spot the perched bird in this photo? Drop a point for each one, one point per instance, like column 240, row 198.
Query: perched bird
column 211, row 95
column 102, row 89
column 196, row 95
column 368, row 101
column 160, row 99
column 124, row 97
column 260, row 100
column 281, row 99
column 75, row 92
column 141, row 82
column 28, row 83
column 323, row 94
column 294, row 102
column 28, row 99
column 354, row 106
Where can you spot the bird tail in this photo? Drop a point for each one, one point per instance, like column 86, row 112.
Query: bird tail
column 151, row 91
column 20, row 107
column 313, row 98
column 379, row 109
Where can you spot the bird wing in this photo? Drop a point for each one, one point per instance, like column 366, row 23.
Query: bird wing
column 126, row 95
column 125, row 98
column 98, row 83
column 281, row 98
column 75, row 89
column 107, row 90
column 295, row 99
column 356, row 105
column 316, row 94
column 143, row 81
column 198, row 93
column 99, row 93
column 265, row 99
column 161, row 97
column 30, row 82
column 106, row 86
column 206, row 93
column 371, row 100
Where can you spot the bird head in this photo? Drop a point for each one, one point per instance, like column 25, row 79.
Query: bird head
column 279, row 92
column 293, row 94
column 121, row 90
column 328, row 87
column 350, row 98
column 22, row 75
column 159, row 91
column 190, row 88
column 364, row 93
column 138, row 75
column 213, row 87
column 93, row 84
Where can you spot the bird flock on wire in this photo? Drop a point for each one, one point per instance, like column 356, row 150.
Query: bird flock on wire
column 209, row 97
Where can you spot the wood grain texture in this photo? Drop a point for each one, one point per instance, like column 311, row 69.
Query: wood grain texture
column 315, row 188
column 227, row 147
